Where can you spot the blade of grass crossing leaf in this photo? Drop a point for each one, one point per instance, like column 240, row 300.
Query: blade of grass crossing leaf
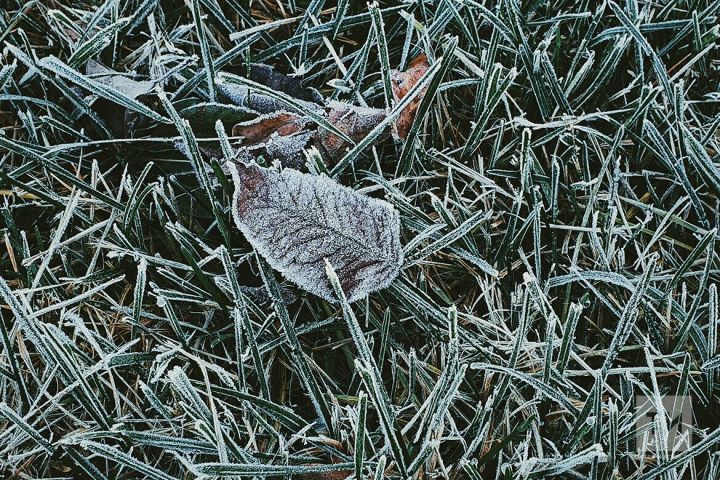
column 114, row 95
column 367, row 363
column 380, row 127
column 296, row 353
column 405, row 162
column 292, row 103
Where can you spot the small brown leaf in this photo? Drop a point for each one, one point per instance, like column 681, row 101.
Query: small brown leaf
column 260, row 129
column 354, row 121
column 401, row 83
column 280, row 136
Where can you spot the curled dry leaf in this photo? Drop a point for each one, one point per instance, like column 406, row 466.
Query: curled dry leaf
column 401, row 83
column 260, row 129
column 283, row 135
column 280, row 136
column 267, row 76
column 121, row 82
column 297, row 220
column 121, row 121
column 355, row 122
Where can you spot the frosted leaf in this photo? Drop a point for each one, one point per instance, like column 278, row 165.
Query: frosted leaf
column 283, row 134
column 128, row 86
column 264, row 74
column 202, row 116
column 259, row 129
column 121, row 120
column 280, row 136
column 297, row 220
column 354, row 121
column 401, row 83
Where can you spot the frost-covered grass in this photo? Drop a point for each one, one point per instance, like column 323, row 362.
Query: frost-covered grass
column 558, row 200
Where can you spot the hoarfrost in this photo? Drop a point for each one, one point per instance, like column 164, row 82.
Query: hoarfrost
column 128, row 86
column 264, row 74
column 296, row 221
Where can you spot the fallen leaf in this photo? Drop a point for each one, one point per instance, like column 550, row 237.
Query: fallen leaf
column 401, row 83
column 297, row 220
column 267, row 76
column 293, row 86
column 259, row 129
column 281, row 136
column 122, row 121
column 354, row 121
column 284, row 135
column 121, row 82
column 288, row 150
column 202, row 116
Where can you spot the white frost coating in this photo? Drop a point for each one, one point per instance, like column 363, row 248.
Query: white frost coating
column 296, row 221
column 128, row 86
